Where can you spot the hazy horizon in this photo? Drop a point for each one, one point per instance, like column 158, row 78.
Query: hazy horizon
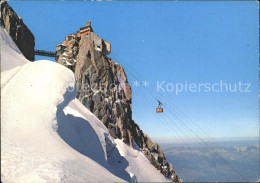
column 168, row 140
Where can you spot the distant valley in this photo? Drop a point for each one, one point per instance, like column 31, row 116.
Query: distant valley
column 222, row 161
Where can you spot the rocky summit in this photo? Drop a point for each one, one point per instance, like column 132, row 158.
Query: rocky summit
column 19, row 32
column 104, row 89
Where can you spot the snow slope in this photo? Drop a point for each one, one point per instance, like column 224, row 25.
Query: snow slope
column 48, row 136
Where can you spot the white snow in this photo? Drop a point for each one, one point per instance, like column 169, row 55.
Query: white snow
column 48, row 136
column 67, row 63
column 10, row 50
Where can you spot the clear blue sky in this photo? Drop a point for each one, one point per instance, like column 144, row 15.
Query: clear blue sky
column 200, row 42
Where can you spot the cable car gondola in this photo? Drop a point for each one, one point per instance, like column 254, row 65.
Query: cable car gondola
column 159, row 109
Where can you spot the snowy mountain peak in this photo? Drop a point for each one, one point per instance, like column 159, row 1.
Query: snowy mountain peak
column 104, row 89
column 48, row 136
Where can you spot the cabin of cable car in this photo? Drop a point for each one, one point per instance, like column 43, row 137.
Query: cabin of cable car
column 159, row 109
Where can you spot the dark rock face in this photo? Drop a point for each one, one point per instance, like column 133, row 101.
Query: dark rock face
column 103, row 88
column 19, row 32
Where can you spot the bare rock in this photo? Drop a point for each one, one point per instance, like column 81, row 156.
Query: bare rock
column 19, row 32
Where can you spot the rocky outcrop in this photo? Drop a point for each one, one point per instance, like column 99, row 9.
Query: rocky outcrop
column 19, row 32
column 104, row 89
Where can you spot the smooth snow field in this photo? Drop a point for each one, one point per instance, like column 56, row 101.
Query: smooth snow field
column 49, row 136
